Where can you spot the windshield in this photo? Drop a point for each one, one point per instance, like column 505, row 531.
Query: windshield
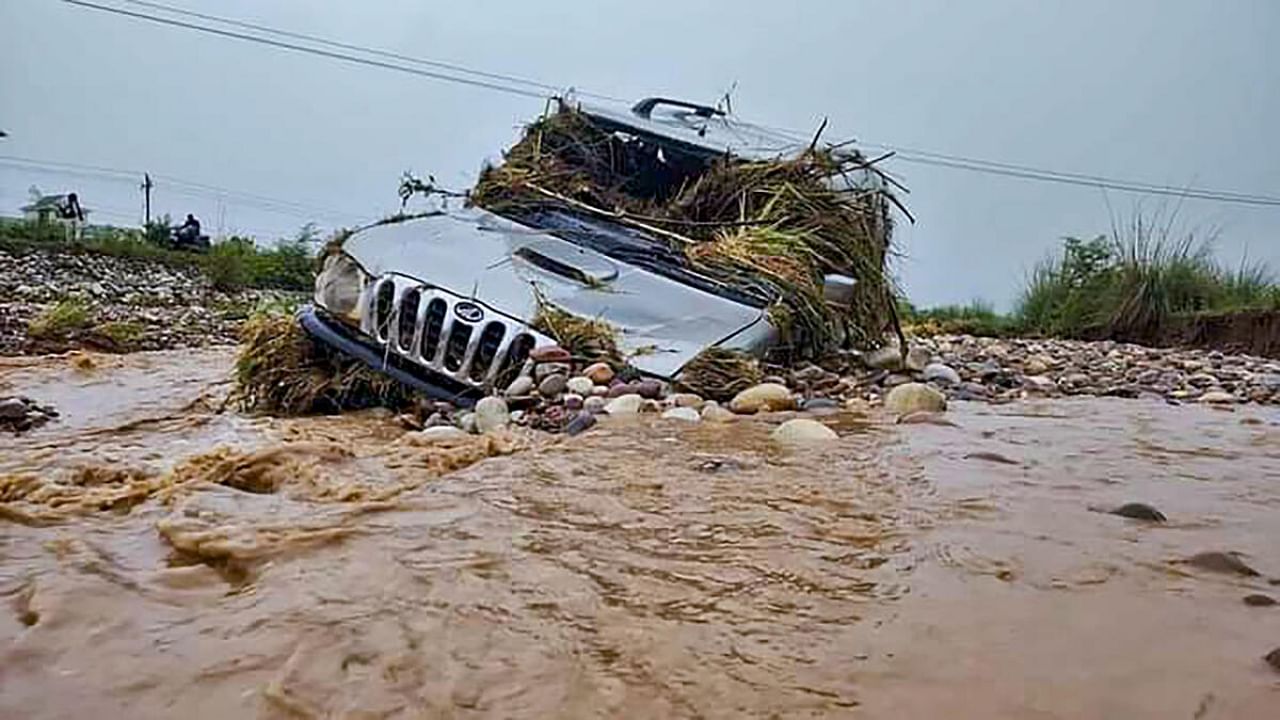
column 636, row 248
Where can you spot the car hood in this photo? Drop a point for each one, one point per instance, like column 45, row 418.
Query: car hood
column 662, row 323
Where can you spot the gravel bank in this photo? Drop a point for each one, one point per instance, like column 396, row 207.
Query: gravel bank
column 131, row 304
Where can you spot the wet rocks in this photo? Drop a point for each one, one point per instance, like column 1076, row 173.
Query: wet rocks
column 618, row 389
column 715, row 413
column 685, row 414
column 925, row 418
column 1221, row 562
column 888, row 357
column 1139, row 511
column 992, row 457
column 409, row 421
column 762, row 397
column 914, row 397
column 688, row 400
column 624, row 404
column 1217, row 397
column 553, row 390
column 19, row 414
column 1003, row 370
column 820, row 405
column 1273, row 659
column 917, row 359
column 520, row 387
column 1036, row 365
column 944, row 374
column 1040, row 384
column 580, row 422
column 802, row 431
column 550, row 354
column 491, row 414
column 552, row 385
column 443, row 433
column 649, row 389
column 1259, row 600
column 896, row 379
column 542, row 371
column 599, row 373
column 1201, row 380
column 12, row 408
column 580, row 385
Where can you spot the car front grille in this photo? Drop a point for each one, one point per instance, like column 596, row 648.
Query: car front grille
column 423, row 324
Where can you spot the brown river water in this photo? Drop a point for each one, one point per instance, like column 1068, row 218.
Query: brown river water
column 161, row 559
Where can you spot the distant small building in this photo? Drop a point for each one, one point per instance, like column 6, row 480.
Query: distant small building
column 50, row 208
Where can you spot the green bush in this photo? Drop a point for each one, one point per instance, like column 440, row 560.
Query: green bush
column 16, row 233
column 237, row 263
column 229, row 264
column 290, row 265
column 1132, row 282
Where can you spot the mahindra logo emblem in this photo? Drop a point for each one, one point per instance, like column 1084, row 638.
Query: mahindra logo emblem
column 468, row 311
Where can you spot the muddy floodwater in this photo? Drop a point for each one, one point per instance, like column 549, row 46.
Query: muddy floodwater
column 159, row 559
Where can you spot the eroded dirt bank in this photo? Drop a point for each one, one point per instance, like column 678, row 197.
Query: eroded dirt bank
column 159, row 558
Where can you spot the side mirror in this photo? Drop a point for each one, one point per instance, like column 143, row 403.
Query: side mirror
column 838, row 289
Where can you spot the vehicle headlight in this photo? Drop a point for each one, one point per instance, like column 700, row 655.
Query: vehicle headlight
column 339, row 286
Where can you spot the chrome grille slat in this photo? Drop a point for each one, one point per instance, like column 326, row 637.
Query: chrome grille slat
column 442, row 345
column 500, row 357
column 390, row 340
column 420, row 324
column 463, row 373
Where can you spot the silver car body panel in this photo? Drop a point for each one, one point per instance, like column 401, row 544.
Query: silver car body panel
column 716, row 134
column 478, row 256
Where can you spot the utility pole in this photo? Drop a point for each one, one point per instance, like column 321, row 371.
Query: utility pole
column 146, row 195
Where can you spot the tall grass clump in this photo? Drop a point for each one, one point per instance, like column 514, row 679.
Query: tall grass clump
column 1132, row 282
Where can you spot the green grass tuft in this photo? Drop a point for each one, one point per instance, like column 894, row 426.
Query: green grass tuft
column 66, row 318
column 125, row 334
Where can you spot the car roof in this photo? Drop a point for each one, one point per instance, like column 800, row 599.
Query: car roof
column 699, row 128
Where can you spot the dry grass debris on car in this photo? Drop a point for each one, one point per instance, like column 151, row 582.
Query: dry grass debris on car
column 587, row 339
column 282, row 371
column 770, row 228
column 719, row 374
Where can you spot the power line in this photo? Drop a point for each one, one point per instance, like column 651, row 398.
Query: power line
column 304, row 49
column 181, row 186
column 1028, row 172
column 455, row 67
column 960, row 162
column 954, row 162
column 1094, row 181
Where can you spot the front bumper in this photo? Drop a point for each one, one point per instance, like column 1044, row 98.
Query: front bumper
column 338, row 337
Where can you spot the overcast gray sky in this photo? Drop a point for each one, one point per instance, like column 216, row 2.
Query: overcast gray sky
column 1180, row 92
